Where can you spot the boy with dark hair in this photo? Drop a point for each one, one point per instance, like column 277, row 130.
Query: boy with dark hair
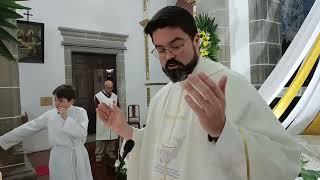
column 65, row 91
column 67, row 131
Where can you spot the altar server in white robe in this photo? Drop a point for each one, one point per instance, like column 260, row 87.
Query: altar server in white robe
column 67, row 131
column 207, row 123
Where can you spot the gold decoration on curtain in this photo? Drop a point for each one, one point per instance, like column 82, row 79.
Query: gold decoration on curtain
column 314, row 127
column 148, row 96
column 192, row 2
column 143, row 23
column 246, row 152
column 146, row 57
column 145, row 5
column 298, row 81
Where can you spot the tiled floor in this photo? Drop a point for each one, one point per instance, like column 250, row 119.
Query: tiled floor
column 100, row 171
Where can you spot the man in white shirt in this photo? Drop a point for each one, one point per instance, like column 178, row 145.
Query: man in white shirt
column 105, row 138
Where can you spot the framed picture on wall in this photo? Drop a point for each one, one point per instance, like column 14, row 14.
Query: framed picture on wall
column 31, row 42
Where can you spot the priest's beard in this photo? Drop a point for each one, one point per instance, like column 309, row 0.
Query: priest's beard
column 182, row 71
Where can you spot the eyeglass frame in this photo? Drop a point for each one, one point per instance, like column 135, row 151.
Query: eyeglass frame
column 175, row 50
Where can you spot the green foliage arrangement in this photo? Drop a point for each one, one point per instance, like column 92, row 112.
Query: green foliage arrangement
column 8, row 15
column 208, row 34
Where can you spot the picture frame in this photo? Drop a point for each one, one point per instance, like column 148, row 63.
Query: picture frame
column 30, row 42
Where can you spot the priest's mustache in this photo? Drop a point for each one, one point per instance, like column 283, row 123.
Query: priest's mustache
column 173, row 61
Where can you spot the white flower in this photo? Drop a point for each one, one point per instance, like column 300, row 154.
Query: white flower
column 117, row 163
column 312, row 163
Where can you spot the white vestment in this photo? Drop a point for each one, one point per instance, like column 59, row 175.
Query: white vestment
column 173, row 145
column 102, row 133
column 69, row 158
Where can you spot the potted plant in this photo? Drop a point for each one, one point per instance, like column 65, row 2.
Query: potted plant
column 8, row 16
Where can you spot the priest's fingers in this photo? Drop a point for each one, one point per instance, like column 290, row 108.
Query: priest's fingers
column 213, row 86
column 204, row 89
column 223, row 83
column 105, row 108
column 106, row 119
column 113, row 114
column 103, row 116
column 109, row 107
column 197, row 97
column 114, row 106
column 196, row 108
column 199, row 89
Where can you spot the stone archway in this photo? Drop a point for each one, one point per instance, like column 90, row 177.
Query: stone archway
column 79, row 40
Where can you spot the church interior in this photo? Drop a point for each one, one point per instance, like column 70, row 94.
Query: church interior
column 274, row 44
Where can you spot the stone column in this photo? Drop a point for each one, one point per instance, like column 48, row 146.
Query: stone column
column 264, row 35
column 13, row 163
column 265, row 46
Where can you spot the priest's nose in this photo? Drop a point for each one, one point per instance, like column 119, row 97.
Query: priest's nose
column 169, row 55
column 166, row 58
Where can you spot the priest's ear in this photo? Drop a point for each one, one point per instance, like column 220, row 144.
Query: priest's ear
column 197, row 42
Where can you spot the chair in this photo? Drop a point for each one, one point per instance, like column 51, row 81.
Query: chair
column 134, row 115
column 133, row 120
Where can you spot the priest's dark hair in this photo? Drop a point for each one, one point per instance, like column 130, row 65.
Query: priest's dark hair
column 172, row 16
column 65, row 91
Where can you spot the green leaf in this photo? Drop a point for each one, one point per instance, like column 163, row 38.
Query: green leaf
column 8, row 13
column 12, row 4
column 303, row 162
column 6, row 36
column 309, row 174
column 4, row 51
column 7, row 24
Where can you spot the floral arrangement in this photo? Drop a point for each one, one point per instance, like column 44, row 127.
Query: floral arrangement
column 209, row 39
column 120, row 164
column 121, row 169
column 310, row 168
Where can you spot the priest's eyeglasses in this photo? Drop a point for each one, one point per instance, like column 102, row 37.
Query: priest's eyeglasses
column 161, row 52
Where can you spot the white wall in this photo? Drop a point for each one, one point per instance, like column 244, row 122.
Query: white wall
column 114, row 16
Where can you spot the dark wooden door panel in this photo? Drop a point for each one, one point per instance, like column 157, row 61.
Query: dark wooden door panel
column 88, row 75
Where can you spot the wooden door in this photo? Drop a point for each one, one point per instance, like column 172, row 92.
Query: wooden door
column 89, row 71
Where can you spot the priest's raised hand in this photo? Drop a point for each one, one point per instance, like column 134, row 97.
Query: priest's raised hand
column 114, row 119
column 207, row 100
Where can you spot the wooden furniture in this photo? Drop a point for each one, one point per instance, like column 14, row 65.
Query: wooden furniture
column 134, row 115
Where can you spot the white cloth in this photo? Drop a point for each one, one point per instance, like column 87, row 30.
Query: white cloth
column 69, row 158
column 102, row 133
column 178, row 148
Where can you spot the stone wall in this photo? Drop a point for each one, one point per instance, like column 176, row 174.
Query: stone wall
column 218, row 9
column 265, row 45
